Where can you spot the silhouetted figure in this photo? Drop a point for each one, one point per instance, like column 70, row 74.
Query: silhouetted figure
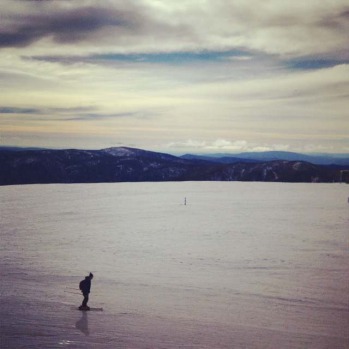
column 85, row 287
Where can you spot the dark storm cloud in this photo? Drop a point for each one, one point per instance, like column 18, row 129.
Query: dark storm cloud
column 119, row 24
column 65, row 26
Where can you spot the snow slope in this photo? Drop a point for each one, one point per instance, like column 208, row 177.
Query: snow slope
column 241, row 265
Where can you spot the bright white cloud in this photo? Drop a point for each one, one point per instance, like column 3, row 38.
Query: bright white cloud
column 223, row 146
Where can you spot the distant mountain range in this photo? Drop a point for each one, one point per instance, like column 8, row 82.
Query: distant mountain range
column 317, row 159
column 123, row 164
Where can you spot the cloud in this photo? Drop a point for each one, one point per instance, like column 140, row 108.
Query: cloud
column 222, row 146
column 314, row 63
column 149, row 26
column 45, row 110
column 103, row 116
column 64, row 25
column 70, row 114
column 16, row 110
column 148, row 71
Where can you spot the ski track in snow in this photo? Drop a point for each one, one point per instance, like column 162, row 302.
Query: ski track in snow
column 241, row 265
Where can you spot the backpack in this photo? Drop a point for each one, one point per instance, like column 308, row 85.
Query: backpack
column 81, row 285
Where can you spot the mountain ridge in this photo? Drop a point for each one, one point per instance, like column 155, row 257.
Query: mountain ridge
column 125, row 164
column 318, row 159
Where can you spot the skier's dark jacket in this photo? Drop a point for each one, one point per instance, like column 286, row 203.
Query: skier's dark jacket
column 85, row 285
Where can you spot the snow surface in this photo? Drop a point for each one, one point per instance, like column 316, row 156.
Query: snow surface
column 119, row 151
column 241, row 265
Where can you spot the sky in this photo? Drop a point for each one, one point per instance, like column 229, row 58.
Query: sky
column 187, row 76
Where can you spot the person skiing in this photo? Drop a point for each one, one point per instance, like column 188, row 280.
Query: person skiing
column 85, row 288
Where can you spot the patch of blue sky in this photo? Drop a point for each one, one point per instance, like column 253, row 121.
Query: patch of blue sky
column 314, row 64
column 174, row 57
